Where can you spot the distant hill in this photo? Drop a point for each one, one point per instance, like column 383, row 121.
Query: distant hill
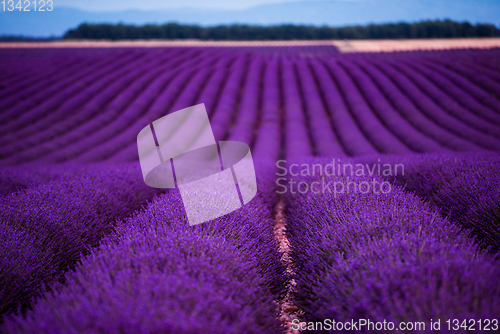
column 331, row 13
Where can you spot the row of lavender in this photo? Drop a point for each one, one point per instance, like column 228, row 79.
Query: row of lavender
column 390, row 257
column 465, row 189
column 318, row 105
column 51, row 216
column 154, row 273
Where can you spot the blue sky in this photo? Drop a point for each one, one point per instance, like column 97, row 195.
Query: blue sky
column 69, row 14
column 99, row 5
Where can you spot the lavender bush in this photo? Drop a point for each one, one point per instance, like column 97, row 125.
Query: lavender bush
column 385, row 256
column 46, row 228
column 157, row 274
column 464, row 188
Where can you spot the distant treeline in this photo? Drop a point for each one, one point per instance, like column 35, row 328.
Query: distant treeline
column 424, row 29
column 27, row 39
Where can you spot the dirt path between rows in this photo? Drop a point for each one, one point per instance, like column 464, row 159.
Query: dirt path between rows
column 288, row 310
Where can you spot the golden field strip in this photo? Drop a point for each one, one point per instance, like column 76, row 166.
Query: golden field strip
column 343, row 45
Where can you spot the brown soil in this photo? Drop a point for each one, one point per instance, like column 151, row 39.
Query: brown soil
column 288, row 310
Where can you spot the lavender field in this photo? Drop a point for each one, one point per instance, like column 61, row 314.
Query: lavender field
column 87, row 247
